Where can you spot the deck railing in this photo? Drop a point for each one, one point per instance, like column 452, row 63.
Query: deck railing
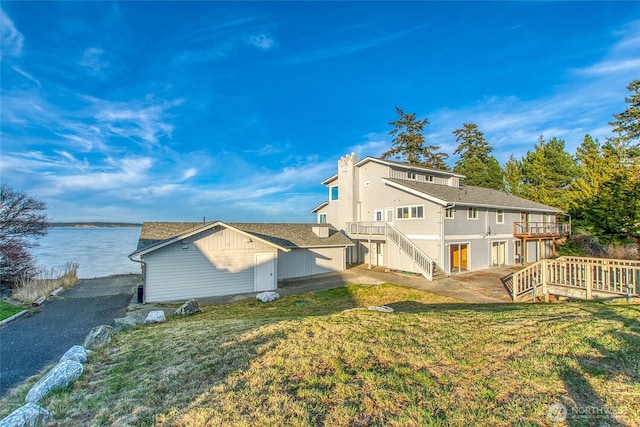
column 574, row 276
column 371, row 228
column 381, row 229
column 541, row 229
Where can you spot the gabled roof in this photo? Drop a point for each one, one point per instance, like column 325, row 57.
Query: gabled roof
column 155, row 235
column 320, row 206
column 468, row 195
column 407, row 166
column 293, row 236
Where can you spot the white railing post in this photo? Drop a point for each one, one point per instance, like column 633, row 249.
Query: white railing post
column 545, row 291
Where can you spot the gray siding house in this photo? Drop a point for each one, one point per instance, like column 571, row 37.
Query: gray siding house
column 411, row 218
column 183, row 260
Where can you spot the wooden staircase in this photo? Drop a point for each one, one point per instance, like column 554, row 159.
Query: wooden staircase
column 421, row 260
column 575, row 277
column 382, row 230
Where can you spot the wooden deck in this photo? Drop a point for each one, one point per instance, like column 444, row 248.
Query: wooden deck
column 535, row 230
column 575, row 277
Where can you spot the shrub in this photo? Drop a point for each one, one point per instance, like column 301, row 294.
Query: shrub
column 15, row 262
column 583, row 244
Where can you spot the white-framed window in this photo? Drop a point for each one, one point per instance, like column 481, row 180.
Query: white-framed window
column 472, row 213
column 322, row 218
column 499, row 216
column 449, row 213
column 333, row 193
column 410, row 212
column 428, row 178
column 411, row 175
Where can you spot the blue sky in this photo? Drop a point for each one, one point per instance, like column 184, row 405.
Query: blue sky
column 137, row 111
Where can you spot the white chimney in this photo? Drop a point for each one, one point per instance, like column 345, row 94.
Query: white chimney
column 321, row 231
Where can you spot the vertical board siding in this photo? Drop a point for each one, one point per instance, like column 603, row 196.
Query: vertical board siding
column 215, row 262
column 308, row 262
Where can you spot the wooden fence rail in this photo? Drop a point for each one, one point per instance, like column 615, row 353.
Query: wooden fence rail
column 576, row 277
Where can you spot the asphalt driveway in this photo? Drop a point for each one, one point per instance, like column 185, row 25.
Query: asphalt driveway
column 41, row 337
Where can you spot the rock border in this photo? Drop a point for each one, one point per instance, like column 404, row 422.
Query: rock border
column 70, row 367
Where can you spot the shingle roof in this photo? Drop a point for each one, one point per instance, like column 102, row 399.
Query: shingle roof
column 473, row 196
column 285, row 235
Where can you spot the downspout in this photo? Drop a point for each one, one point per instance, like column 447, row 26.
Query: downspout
column 140, row 288
column 442, row 234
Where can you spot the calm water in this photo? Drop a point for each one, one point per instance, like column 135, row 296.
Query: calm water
column 99, row 251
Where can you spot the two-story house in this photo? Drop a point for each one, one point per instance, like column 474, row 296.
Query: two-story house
column 411, row 218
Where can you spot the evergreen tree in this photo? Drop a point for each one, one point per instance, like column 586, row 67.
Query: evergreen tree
column 547, row 173
column 475, row 163
column 409, row 144
column 471, row 143
column 513, row 177
column 627, row 124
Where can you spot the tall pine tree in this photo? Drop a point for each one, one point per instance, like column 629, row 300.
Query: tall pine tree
column 475, row 162
column 409, row 143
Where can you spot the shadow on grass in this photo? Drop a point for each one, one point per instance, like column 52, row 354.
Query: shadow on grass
column 182, row 372
column 616, row 355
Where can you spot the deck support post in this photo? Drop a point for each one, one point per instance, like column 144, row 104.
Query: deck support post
column 543, row 273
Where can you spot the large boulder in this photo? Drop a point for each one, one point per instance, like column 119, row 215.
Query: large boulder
column 122, row 323
column 268, row 296
column 29, row 415
column 98, row 337
column 77, row 353
column 188, row 308
column 156, row 316
column 60, row 376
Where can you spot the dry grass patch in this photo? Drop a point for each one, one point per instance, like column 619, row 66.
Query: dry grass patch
column 303, row 360
column 29, row 288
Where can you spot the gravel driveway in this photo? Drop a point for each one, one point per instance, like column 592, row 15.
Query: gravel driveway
column 41, row 337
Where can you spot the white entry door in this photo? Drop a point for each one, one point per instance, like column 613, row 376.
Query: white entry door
column 498, row 253
column 264, row 272
column 376, row 249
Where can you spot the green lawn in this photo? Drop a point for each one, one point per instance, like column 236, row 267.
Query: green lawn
column 310, row 359
column 7, row 310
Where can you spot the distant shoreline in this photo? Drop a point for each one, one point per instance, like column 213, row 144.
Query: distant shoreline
column 94, row 225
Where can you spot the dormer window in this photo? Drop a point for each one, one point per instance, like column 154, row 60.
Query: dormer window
column 411, row 175
column 429, row 178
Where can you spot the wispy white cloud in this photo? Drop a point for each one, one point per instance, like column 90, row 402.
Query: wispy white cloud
column 11, row 40
column 584, row 104
column 93, row 59
column 205, row 42
column 349, row 47
column 270, row 149
column 115, row 174
column 189, row 173
column 28, row 76
column 140, row 121
column 374, row 145
column 262, row 41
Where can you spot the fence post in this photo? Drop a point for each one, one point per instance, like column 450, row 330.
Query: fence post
column 544, row 274
column 588, row 287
